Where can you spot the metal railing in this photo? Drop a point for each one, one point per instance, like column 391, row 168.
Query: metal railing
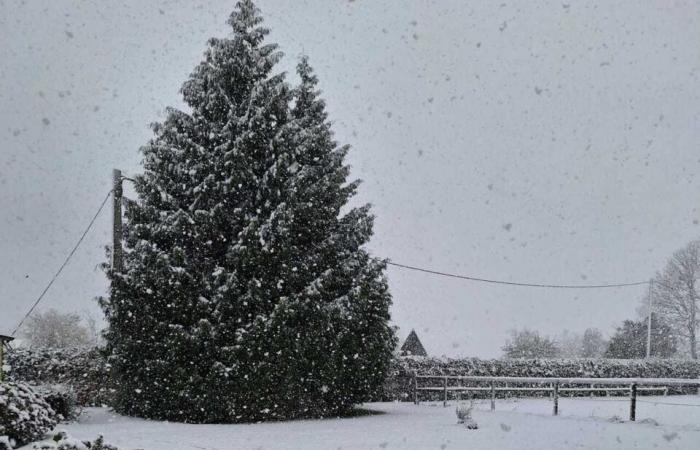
column 552, row 385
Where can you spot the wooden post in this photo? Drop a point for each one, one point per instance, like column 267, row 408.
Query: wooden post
column 444, row 390
column 493, row 396
column 415, row 388
column 555, row 408
column 117, row 220
column 633, row 402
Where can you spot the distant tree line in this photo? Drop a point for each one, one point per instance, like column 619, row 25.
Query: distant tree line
column 674, row 322
column 528, row 343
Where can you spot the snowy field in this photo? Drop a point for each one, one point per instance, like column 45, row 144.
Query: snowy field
column 517, row 424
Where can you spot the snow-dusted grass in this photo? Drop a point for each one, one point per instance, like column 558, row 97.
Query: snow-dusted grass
column 516, row 424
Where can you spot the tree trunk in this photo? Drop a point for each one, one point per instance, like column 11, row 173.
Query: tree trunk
column 693, row 342
column 693, row 324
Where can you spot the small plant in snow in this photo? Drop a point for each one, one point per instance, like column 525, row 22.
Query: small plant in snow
column 464, row 416
column 62, row 441
column 616, row 419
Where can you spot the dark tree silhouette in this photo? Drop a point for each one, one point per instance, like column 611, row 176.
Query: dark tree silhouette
column 630, row 340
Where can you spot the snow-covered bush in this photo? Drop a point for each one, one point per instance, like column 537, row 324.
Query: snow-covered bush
column 62, row 400
column 61, row 441
column 5, row 443
column 84, row 371
column 24, row 415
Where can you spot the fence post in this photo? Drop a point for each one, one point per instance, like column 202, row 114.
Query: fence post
column 415, row 388
column 493, row 396
column 444, row 390
column 555, row 408
column 633, row 402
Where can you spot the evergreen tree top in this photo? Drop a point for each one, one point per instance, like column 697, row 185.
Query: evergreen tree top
column 245, row 17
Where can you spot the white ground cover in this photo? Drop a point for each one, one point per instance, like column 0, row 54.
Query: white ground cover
column 516, row 424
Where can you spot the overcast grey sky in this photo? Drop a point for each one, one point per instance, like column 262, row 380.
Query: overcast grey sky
column 541, row 141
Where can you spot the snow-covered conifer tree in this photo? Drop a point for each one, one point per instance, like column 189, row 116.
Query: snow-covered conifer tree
column 246, row 292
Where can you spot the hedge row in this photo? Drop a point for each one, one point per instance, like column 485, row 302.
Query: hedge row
column 85, row 371
column 398, row 385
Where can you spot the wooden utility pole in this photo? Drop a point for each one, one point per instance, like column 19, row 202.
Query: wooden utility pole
column 651, row 290
column 4, row 340
column 117, row 220
column 2, row 360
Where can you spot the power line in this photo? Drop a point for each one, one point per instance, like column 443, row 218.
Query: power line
column 70, row 255
column 513, row 283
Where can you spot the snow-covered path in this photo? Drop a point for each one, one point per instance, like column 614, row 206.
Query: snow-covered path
column 524, row 425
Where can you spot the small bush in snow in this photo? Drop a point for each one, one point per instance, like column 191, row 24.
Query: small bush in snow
column 62, row 400
column 61, row 441
column 464, row 416
column 24, row 415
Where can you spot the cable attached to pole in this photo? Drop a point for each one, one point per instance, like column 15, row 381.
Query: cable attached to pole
column 512, row 283
column 65, row 262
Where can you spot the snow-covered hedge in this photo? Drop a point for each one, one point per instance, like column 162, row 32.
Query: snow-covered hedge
column 24, row 415
column 85, row 371
column 398, row 384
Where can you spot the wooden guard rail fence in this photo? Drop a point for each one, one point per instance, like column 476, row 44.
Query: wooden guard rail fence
column 552, row 385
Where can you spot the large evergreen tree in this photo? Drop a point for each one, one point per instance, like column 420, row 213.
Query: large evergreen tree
column 246, row 292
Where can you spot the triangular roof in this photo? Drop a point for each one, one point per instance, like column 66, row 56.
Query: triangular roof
column 412, row 346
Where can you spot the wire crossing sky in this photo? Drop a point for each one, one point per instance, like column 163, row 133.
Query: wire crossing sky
column 513, row 283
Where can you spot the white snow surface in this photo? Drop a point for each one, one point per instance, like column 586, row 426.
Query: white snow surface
column 525, row 424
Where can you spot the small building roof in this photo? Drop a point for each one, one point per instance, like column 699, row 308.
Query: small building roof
column 412, row 346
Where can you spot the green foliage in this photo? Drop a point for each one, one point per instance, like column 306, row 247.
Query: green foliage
column 83, row 371
column 630, row 340
column 247, row 293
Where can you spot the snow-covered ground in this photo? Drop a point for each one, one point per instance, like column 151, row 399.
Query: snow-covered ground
column 516, row 424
